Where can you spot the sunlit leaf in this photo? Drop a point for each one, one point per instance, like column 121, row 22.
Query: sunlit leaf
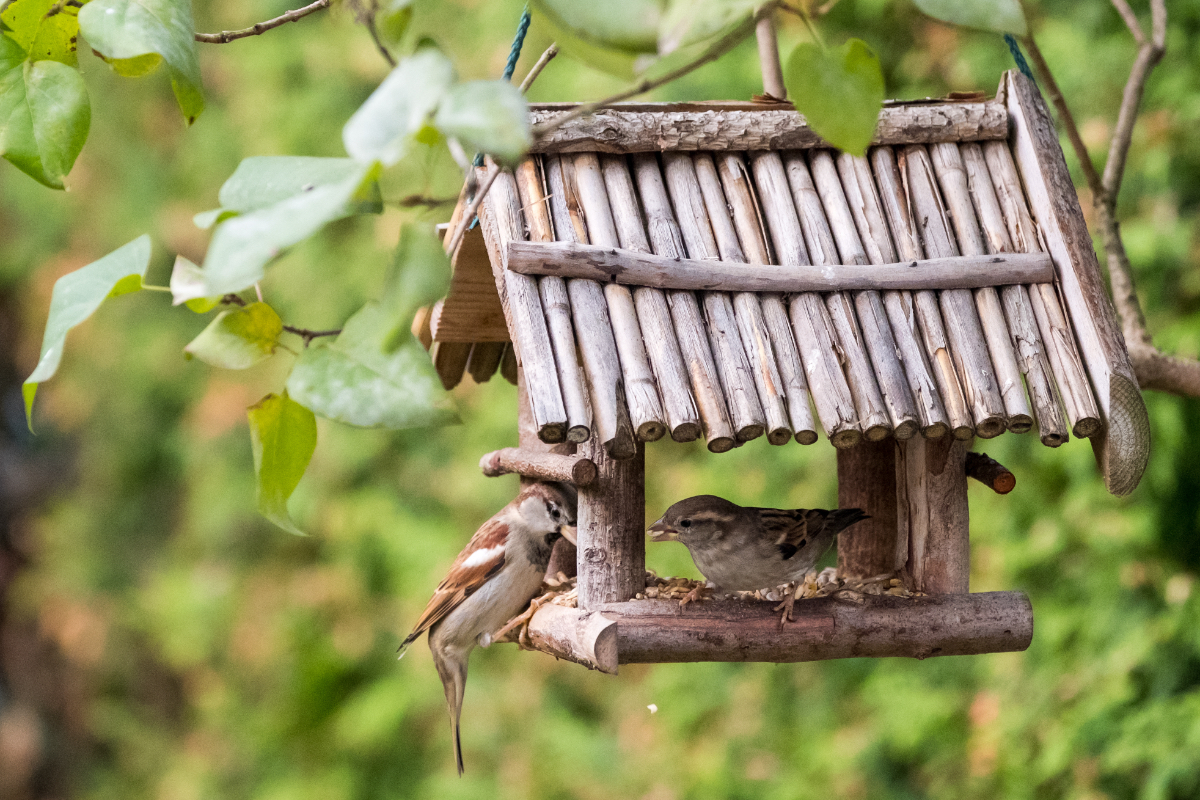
column 488, row 117
column 187, row 287
column 420, row 275
column 690, row 21
column 381, row 129
column 627, row 25
column 392, row 18
column 839, row 91
column 43, row 37
column 131, row 34
column 206, row 219
column 618, row 63
column 262, row 181
column 238, row 338
column 351, row 379
column 283, row 436
column 243, row 245
column 76, row 297
column 1002, row 16
column 44, row 114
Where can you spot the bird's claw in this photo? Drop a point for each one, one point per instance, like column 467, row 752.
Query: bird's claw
column 522, row 621
column 789, row 600
column 697, row 593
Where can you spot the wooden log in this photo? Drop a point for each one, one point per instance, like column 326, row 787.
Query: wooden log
column 956, row 183
column 815, row 337
column 863, row 199
column 748, row 220
column 485, row 360
column 421, row 328
column 556, row 305
column 1123, row 446
column 923, row 313
column 450, row 361
column 508, row 364
column 1074, row 388
column 867, row 479
column 990, row 472
column 938, row 516
column 631, row 268
column 847, row 625
column 502, row 223
column 660, row 127
column 877, row 333
column 756, row 340
column 589, row 311
column 612, row 530
column 645, row 408
column 653, row 312
column 741, row 397
column 968, row 347
column 585, row 637
column 666, row 239
column 576, row 469
column 1027, row 343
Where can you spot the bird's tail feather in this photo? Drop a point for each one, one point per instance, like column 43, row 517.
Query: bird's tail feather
column 412, row 637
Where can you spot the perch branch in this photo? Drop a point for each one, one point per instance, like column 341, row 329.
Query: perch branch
column 990, row 472
column 578, row 470
column 1155, row 369
column 224, row 37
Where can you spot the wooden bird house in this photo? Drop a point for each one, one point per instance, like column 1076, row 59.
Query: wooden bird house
column 716, row 271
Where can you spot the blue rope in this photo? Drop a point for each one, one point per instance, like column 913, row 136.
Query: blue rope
column 514, row 55
column 1019, row 57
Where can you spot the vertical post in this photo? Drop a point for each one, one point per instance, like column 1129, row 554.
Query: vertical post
column 612, row 529
column 563, row 558
column 938, row 517
column 867, row 480
column 768, row 57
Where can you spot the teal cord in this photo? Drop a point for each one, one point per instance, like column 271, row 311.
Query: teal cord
column 1019, row 57
column 514, row 55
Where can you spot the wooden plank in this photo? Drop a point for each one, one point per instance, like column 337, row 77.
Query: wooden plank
column 631, row 268
column 471, row 311
column 647, row 128
column 1123, row 447
column 484, row 360
column 611, row 529
column 666, row 239
column 866, row 476
column 938, row 516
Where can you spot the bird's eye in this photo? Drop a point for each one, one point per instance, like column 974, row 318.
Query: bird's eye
column 685, row 523
column 554, row 512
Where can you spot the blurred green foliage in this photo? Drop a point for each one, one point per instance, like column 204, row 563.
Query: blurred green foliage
column 216, row 656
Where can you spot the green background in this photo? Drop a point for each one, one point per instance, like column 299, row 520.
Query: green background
column 163, row 640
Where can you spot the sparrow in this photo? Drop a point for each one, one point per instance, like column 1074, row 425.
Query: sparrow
column 743, row 549
column 493, row 579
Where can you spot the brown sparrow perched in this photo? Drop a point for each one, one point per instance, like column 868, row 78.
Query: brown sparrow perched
column 492, row 580
column 743, row 549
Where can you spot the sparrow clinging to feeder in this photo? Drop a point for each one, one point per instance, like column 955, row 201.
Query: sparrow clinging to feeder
column 743, row 549
column 492, row 580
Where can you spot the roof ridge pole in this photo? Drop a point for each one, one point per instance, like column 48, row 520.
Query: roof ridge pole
column 768, row 57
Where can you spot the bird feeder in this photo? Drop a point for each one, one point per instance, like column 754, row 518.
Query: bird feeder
column 715, row 271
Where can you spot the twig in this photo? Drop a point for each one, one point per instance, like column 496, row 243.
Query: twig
column 1131, row 21
column 414, row 200
column 369, row 21
column 308, row 335
column 1149, row 54
column 715, row 51
column 547, row 56
column 224, row 37
column 472, row 208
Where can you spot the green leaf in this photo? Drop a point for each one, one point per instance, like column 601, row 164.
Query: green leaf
column 381, row 128
column 352, row 379
column 206, row 219
column 392, row 18
column 44, row 114
column 262, row 181
column 839, row 91
column 243, row 245
column 283, row 436
column 420, row 274
column 76, row 297
column 690, row 21
column 626, row 25
column 131, row 35
column 488, row 117
column 618, row 63
column 187, row 287
column 42, row 37
column 239, row 338
column 1001, row 16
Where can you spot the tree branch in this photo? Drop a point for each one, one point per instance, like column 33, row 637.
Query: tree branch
column 472, row 209
column 714, row 51
column 224, row 37
column 1149, row 54
column 1131, row 21
column 547, row 56
column 308, row 335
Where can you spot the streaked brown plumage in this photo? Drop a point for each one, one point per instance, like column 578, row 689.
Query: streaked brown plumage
column 742, row 549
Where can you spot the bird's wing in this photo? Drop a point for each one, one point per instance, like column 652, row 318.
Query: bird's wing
column 476, row 564
column 792, row 529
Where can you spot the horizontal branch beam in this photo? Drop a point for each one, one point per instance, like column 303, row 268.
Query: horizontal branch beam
column 570, row 260
column 578, row 470
column 649, row 127
column 990, row 472
column 847, row 625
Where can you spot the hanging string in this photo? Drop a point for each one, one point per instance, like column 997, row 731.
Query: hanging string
column 514, row 55
column 1019, row 57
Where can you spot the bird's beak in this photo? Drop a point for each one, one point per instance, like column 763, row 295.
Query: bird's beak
column 662, row 532
column 569, row 533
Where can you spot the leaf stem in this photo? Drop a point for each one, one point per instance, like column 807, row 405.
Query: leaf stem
column 308, row 335
column 149, row 288
column 258, row 28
